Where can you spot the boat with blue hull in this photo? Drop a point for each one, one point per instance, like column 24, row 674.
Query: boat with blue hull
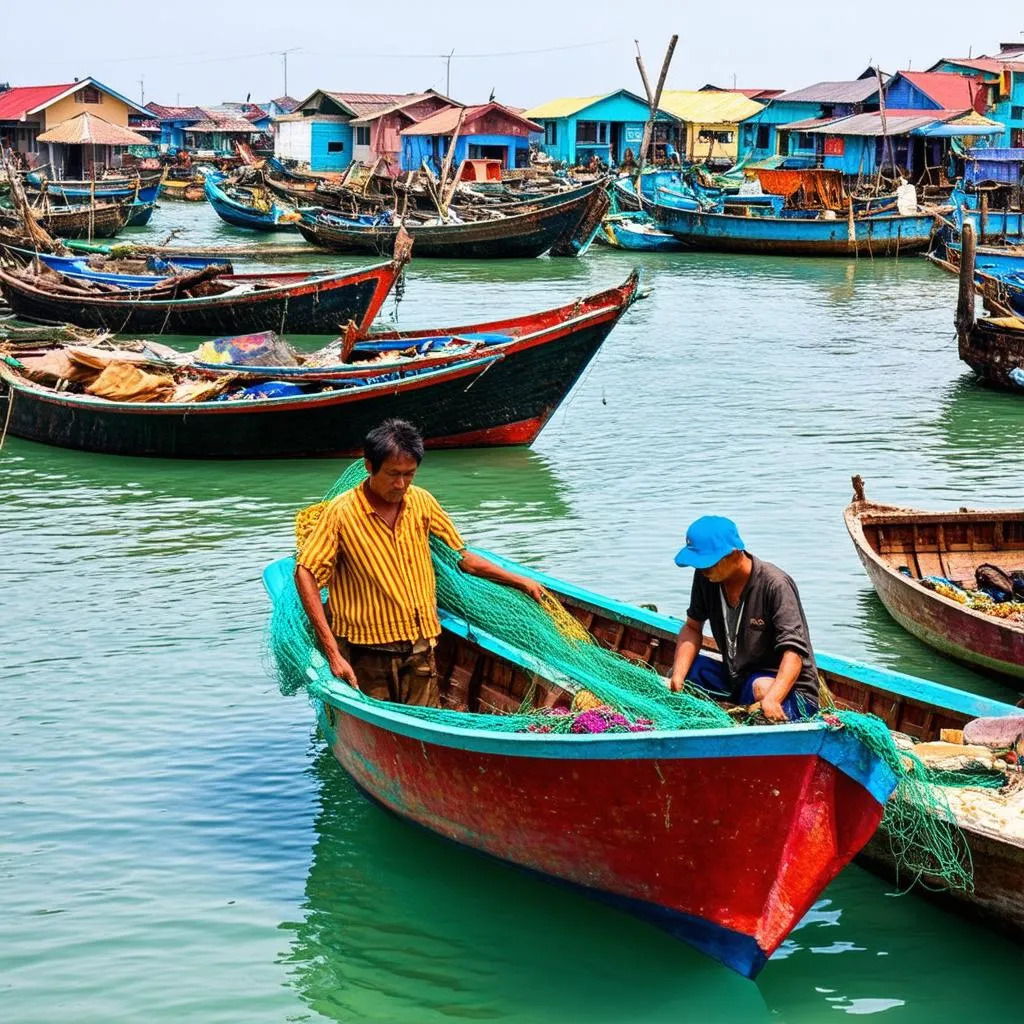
column 798, row 233
column 248, row 207
column 636, row 232
column 143, row 190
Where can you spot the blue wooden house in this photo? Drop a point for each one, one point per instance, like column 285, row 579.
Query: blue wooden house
column 489, row 131
column 173, row 123
column 318, row 133
column 576, row 129
column 782, row 129
column 1002, row 85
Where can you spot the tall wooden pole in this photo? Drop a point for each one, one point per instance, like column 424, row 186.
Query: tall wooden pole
column 653, row 98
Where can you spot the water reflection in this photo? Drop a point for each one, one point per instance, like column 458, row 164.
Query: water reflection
column 399, row 925
column 976, row 423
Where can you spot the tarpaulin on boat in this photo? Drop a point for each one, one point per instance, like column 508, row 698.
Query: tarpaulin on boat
column 820, row 187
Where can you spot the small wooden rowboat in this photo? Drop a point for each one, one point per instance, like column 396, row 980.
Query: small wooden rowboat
column 502, row 394
column 899, row 547
column 302, row 303
column 670, row 826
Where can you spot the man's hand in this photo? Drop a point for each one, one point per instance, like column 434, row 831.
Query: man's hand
column 676, row 685
column 342, row 669
column 531, row 588
column 772, row 710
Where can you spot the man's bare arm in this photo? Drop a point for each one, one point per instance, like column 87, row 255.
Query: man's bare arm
column 477, row 565
column 309, row 594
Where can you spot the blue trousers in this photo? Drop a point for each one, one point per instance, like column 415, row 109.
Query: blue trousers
column 709, row 676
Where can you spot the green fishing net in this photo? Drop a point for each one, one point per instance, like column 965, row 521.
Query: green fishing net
column 626, row 696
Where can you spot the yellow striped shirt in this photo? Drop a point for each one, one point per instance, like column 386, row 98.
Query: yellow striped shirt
column 380, row 581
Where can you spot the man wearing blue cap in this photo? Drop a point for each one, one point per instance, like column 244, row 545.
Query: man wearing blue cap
column 757, row 621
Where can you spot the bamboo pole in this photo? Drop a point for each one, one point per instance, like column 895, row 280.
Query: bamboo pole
column 653, row 98
column 446, row 166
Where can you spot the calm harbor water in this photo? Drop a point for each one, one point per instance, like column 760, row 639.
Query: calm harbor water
column 176, row 844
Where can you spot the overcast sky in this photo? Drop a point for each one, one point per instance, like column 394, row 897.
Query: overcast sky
column 214, row 52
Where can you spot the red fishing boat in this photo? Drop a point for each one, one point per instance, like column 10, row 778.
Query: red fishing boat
column 724, row 837
column 499, row 393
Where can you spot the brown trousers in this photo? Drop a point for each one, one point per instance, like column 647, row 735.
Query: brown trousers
column 403, row 673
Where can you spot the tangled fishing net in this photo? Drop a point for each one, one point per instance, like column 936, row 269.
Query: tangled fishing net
column 612, row 693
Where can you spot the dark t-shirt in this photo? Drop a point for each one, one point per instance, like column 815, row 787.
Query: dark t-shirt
column 772, row 622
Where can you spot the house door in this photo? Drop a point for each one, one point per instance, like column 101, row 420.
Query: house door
column 615, row 139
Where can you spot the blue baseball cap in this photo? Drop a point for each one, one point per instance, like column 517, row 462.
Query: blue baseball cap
column 708, row 540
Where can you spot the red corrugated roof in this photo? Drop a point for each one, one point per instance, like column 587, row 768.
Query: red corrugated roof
column 444, row 121
column 950, row 91
column 18, row 101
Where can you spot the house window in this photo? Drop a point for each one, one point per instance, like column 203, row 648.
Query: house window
column 363, row 136
column 335, row 147
column 804, row 140
column 828, row 110
column 550, row 133
column 764, row 136
column 1017, row 138
column 706, row 135
column 1017, row 113
column 90, row 94
column 592, row 133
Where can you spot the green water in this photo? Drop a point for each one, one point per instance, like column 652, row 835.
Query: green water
column 175, row 844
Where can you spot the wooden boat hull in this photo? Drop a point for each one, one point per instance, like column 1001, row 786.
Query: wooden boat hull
column 523, row 235
column 939, row 544
column 297, row 303
column 140, row 214
column 649, row 827
column 104, row 221
column 626, row 232
column 917, row 707
column 183, row 191
column 507, row 402
column 992, row 348
column 785, row 236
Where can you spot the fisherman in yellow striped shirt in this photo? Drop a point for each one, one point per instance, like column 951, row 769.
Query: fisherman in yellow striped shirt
column 370, row 548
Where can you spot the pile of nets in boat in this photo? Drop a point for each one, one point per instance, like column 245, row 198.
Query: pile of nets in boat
column 1003, row 603
column 613, row 694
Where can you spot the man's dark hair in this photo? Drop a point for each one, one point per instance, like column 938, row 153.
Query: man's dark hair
column 392, row 437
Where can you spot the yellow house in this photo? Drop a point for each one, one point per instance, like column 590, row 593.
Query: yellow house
column 710, row 120
column 28, row 111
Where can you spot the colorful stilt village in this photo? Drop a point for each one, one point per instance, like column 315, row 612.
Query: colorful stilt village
column 210, row 304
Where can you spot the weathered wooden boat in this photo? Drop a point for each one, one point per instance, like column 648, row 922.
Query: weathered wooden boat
column 523, row 235
column 99, row 220
column 504, row 397
column 301, row 303
column 900, row 547
column 247, row 207
column 636, row 232
column 992, row 346
column 665, row 825
column 796, row 233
